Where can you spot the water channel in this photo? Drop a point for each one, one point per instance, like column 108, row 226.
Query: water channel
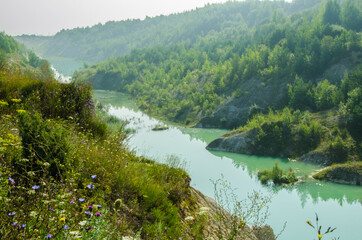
column 337, row 205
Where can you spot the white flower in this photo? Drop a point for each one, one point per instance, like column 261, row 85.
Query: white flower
column 204, row 210
column 82, row 223
column 189, row 218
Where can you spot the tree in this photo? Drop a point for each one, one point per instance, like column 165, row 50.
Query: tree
column 332, row 12
column 351, row 16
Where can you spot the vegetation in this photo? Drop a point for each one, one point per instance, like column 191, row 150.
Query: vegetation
column 63, row 173
column 350, row 173
column 318, row 228
column 184, row 82
column 277, row 176
column 114, row 39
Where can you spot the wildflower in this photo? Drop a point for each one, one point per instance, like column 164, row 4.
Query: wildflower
column 81, row 199
column 49, row 236
column 90, row 186
column 89, row 228
column 15, row 223
column 87, row 213
column 98, row 214
column 11, row 180
column 16, row 100
column 66, row 227
column 319, row 236
column 189, row 218
column 82, row 223
column 72, row 201
column 21, row 111
column 90, row 207
column 23, row 226
column 99, row 206
column 3, row 103
column 11, row 214
column 35, row 187
column 93, row 176
column 62, row 219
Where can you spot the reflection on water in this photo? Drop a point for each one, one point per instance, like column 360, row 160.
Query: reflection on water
column 336, row 204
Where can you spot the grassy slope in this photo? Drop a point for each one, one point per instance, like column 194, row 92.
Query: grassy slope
column 65, row 174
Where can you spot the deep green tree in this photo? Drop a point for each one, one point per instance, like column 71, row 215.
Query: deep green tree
column 332, row 12
column 351, row 16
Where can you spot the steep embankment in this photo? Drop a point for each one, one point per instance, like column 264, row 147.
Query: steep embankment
column 65, row 174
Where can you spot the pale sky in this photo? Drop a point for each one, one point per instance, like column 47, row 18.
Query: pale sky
column 47, row 17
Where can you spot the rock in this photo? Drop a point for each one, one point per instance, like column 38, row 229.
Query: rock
column 235, row 111
column 347, row 173
column 215, row 228
column 264, row 232
column 238, row 143
column 317, row 157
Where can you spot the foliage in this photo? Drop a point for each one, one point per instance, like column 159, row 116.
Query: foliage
column 332, row 12
column 185, row 81
column 60, row 174
column 283, row 133
column 114, row 39
column 277, row 176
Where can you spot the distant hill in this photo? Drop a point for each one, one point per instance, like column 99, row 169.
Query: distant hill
column 113, row 39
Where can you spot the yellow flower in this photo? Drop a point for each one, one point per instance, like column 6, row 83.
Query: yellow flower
column 3, row 103
column 16, row 100
column 21, row 111
column 62, row 219
column 319, row 236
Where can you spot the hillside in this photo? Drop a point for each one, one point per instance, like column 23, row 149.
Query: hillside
column 65, row 174
column 114, row 39
column 308, row 61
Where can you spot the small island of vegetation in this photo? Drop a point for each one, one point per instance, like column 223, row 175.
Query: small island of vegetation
column 277, row 176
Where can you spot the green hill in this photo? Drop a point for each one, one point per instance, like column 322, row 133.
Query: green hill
column 114, row 39
column 307, row 61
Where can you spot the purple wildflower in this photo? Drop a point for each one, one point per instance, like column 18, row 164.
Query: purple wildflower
column 98, row 214
column 35, row 187
column 99, row 206
column 11, row 180
column 66, row 227
column 93, row 176
column 15, row 223
column 90, row 207
column 11, row 214
column 81, row 199
column 89, row 228
column 87, row 213
column 90, row 186
column 23, row 226
column 49, row 236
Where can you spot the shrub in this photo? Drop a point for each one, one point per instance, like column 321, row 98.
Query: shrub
column 277, row 176
column 44, row 142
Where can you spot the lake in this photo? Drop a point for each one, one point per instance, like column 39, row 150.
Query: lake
column 337, row 205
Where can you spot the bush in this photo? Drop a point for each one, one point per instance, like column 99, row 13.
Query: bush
column 277, row 176
column 44, row 142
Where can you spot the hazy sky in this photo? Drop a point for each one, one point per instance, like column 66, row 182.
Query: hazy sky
column 46, row 17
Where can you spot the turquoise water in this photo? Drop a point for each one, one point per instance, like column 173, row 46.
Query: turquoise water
column 337, row 205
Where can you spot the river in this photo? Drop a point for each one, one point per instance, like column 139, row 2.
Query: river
column 337, row 205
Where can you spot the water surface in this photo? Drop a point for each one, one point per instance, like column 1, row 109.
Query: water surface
column 337, row 205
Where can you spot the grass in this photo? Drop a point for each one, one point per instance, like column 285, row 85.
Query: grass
column 62, row 169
